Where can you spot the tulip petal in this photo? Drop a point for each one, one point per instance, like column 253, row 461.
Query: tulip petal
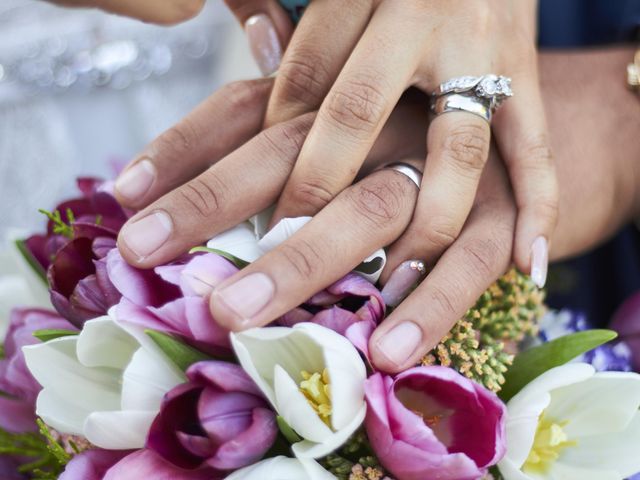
column 148, row 464
column 559, row 471
column 605, row 403
column 226, row 376
column 146, row 380
column 121, row 430
column 58, row 413
column 307, row 449
column 16, row 416
column 91, row 464
column 282, row 468
column 510, row 470
column 102, row 343
column 203, row 273
column 293, row 406
column 282, row 231
column 614, row 450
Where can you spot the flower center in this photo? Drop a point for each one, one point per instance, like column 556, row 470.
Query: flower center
column 317, row 389
column 549, row 442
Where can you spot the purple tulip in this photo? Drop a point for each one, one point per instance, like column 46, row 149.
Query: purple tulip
column 172, row 298
column 219, row 420
column 350, row 300
column 15, row 377
column 431, row 422
column 626, row 321
column 98, row 464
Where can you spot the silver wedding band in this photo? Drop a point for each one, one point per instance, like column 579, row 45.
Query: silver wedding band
column 409, row 171
column 456, row 102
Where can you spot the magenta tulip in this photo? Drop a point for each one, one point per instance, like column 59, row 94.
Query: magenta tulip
column 219, row 420
column 431, row 422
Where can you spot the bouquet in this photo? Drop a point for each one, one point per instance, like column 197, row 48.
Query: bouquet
column 110, row 372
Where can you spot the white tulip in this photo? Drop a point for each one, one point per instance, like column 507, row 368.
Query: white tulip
column 572, row 423
column 282, row 468
column 279, row 358
column 250, row 240
column 101, row 384
column 20, row 286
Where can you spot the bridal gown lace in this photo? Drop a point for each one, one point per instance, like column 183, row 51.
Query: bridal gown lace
column 82, row 91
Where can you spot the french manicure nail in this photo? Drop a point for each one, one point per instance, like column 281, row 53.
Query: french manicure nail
column 249, row 295
column 399, row 343
column 148, row 234
column 136, row 181
column 264, row 43
column 401, row 281
column 539, row 261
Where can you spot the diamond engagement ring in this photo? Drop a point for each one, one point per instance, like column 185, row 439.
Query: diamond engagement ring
column 478, row 95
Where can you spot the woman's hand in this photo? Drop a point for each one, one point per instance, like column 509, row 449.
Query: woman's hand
column 165, row 12
column 353, row 62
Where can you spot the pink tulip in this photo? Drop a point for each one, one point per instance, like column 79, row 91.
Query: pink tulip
column 219, row 420
column 431, row 422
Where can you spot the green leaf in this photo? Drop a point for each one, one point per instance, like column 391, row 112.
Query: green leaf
column 238, row 262
column 532, row 363
column 31, row 261
column 181, row 354
column 288, row 432
column 51, row 334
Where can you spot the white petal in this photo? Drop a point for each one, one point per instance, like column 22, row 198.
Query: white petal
column 510, row 471
column 282, row 231
column 60, row 414
column 606, row 402
column 124, row 430
column 617, row 451
column 560, row 471
column 260, row 349
column 282, row 468
column 372, row 266
column 56, row 368
column 261, row 221
column 292, row 405
column 307, row 449
column 146, row 380
column 240, row 241
column 102, row 343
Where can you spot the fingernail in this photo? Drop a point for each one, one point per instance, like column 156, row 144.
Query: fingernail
column 264, row 43
column 136, row 181
column 148, row 234
column 539, row 261
column 401, row 281
column 248, row 296
column 400, row 343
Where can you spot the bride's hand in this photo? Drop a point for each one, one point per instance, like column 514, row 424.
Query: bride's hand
column 163, row 12
column 353, row 62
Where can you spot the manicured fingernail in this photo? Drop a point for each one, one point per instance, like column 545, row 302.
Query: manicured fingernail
column 136, row 181
column 148, row 234
column 401, row 281
column 264, row 43
column 539, row 261
column 248, row 296
column 400, row 343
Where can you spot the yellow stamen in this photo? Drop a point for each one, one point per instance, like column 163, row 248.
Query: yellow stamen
column 317, row 390
column 549, row 442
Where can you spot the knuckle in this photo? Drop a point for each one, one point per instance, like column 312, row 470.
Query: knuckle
column 304, row 78
column 438, row 232
column 241, row 95
column 486, row 257
column 178, row 140
column 467, row 147
column 303, row 257
column 379, row 200
column 311, row 192
column 203, row 194
column 285, row 139
column 548, row 208
column 358, row 104
column 537, row 152
column 443, row 299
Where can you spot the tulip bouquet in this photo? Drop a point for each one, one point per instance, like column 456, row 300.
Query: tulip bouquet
column 113, row 373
